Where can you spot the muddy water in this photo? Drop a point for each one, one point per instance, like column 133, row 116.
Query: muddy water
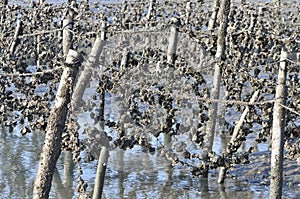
column 130, row 174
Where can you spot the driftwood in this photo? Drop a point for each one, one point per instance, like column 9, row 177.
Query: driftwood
column 52, row 144
column 278, row 131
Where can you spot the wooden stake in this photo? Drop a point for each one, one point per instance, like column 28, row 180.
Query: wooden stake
column 102, row 163
column 188, row 9
column 222, row 173
column 213, row 17
column 241, row 121
column 52, row 144
column 67, row 34
column 173, row 40
column 86, row 74
column 278, row 130
column 215, row 92
column 16, row 40
column 151, row 10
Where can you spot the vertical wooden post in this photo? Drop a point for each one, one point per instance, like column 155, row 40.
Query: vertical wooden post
column 52, row 144
column 220, row 56
column 150, row 10
column 278, row 130
column 68, row 173
column 188, row 9
column 38, row 50
column 171, row 54
column 173, row 40
column 67, row 34
column 213, row 17
column 100, row 175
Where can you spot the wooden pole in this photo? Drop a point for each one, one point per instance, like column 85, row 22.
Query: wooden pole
column 68, row 173
column 52, row 143
column 173, row 40
column 215, row 92
column 278, row 130
column 213, row 17
column 222, row 173
column 151, row 10
column 86, row 74
column 171, row 54
column 67, row 34
column 16, row 40
column 100, row 175
column 243, row 116
column 188, row 9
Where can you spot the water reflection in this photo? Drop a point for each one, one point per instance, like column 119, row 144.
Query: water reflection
column 18, row 163
column 130, row 174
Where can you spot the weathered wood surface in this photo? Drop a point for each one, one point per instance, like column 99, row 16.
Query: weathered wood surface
column 222, row 173
column 88, row 67
column 215, row 91
column 16, row 39
column 100, row 175
column 52, row 144
column 276, row 176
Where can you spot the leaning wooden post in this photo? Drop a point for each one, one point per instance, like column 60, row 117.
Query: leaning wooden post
column 86, row 74
column 213, row 17
column 220, row 57
column 278, row 130
column 52, row 144
column 16, row 40
column 222, row 173
column 100, row 175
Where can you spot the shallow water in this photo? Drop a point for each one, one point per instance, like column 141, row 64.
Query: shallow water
column 130, row 174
